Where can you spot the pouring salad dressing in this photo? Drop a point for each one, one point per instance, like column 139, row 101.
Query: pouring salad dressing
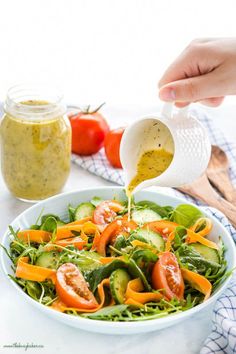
column 156, row 153
column 162, row 150
column 154, row 156
column 151, row 164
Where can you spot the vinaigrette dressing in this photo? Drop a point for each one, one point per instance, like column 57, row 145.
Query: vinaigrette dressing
column 35, row 150
column 152, row 163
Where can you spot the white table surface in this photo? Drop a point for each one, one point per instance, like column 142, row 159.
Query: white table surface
column 22, row 323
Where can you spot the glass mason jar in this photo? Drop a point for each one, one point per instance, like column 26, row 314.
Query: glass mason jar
column 35, row 142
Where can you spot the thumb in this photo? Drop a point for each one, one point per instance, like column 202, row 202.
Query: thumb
column 192, row 89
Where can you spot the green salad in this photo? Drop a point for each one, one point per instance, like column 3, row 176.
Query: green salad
column 104, row 264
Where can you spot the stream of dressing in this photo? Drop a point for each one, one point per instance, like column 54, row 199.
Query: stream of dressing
column 151, row 164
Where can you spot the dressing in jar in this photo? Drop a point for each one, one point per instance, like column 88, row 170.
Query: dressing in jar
column 35, row 143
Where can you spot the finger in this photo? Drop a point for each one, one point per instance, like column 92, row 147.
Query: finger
column 213, row 101
column 181, row 104
column 195, row 60
column 176, row 71
column 192, row 89
column 186, row 65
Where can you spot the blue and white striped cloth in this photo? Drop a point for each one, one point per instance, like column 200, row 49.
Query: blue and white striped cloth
column 223, row 336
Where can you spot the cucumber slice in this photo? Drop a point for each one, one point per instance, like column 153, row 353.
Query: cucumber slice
column 118, row 283
column 48, row 259
column 141, row 216
column 206, row 252
column 84, row 210
column 151, row 237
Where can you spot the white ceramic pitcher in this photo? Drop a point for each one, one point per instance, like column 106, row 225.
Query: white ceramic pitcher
column 178, row 132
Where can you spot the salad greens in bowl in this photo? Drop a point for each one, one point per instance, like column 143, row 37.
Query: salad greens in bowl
column 80, row 258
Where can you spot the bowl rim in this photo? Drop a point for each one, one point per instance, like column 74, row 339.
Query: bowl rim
column 172, row 318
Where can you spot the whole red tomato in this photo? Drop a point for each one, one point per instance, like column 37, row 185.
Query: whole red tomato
column 89, row 129
column 112, row 146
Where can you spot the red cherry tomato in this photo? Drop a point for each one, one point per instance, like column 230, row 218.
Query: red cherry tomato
column 72, row 288
column 106, row 211
column 167, row 275
column 110, row 233
column 112, row 146
column 89, row 130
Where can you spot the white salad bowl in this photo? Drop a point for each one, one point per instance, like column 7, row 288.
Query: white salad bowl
column 58, row 205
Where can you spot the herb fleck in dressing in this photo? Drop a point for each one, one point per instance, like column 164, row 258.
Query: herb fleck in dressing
column 35, row 154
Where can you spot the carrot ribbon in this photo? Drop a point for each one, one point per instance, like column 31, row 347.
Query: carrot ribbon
column 66, row 231
column 134, row 293
column 84, row 226
column 207, row 226
column 28, row 271
column 38, row 236
column 198, row 282
column 195, row 237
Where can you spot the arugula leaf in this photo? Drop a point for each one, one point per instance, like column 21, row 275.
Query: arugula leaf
column 151, row 310
column 13, row 232
column 71, row 212
column 121, row 242
column 7, row 253
column 33, row 289
column 108, row 311
column 186, row 215
column 180, row 233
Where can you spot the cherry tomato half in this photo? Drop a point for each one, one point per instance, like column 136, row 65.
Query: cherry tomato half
column 167, row 275
column 109, row 234
column 112, row 146
column 72, row 288
column 106, row 211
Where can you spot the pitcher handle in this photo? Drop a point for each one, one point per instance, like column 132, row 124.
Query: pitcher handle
column 168, row 107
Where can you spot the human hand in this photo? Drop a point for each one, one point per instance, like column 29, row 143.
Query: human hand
column 205, row 71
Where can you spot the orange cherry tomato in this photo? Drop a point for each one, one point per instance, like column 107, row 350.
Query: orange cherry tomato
column 167, row 275
column 109, row 234
column 72, row 288
column 106, row 211
column 112, row 146
column 89, row 130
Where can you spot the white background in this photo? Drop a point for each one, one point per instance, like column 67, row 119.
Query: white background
column 95, row 50
column 100, row 50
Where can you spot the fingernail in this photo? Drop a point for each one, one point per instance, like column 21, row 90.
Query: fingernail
column 167, row 94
